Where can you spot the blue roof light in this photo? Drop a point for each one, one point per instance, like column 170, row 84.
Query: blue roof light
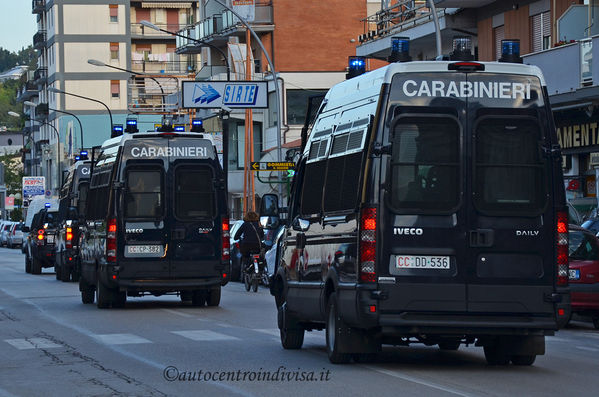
column 510, row 51
column 197, row 122
column 131, row 122
column 180, row 128
column 83, row 153
column 357, row 66
column 77, row 158
column 48, row 205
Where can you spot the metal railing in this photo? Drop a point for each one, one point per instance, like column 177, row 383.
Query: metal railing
column 39, row 39
column 138, row 29
column 154, row 93
column 40, row 74
column 403, row 15
column 38, row 6
column 162, row 67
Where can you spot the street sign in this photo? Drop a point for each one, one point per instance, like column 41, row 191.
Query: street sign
column 272, row 166
column 220, row 94
column 33, row 186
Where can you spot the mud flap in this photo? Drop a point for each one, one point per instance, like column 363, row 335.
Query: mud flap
column 517, row 344
column 355, row 340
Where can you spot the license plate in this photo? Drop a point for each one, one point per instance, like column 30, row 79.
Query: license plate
column 421, row 262
column 574, row 274
column 144, row 249
column 49, row 239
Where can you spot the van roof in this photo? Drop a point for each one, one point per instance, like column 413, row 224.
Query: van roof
column 120, row 140
column 368, row 85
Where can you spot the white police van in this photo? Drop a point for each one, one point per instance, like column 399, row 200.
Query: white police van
column 428, row 207
column 156, row 220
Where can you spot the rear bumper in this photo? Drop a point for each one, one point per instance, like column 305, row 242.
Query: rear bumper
column 166, row 285
column 45, row 254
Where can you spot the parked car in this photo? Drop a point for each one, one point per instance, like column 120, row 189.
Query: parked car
column 584, row 273
column 15, row 235
column 4, row 233
column 591, row 224
column 235, row 254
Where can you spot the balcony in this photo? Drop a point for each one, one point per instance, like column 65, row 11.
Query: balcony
column 575, row 77
column 157, row 94
column 39, row 40
column 38, row 6
column 40, row 76
column 217, row 28
column 139, row 31
column 28, row 91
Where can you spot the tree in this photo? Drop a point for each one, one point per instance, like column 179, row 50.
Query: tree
column 13, row 178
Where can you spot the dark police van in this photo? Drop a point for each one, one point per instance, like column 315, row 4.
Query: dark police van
column 71, row 210
column 428, row 207
column 156, row 220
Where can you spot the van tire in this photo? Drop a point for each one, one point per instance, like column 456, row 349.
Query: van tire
column 495, row 355
column 334, row 328
column 27, row 264
column 65, row 275
column 213, row 298
column 36, row 266
column 119, row 299
column 186, row 296
column 292, row 334
column 104, row 295
column 527, row 359
column 57, row 271
column 88, row 296
column 198, row 297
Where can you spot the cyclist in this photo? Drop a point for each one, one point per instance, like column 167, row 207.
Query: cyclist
column 250, row 236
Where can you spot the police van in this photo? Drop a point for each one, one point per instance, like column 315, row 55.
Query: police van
column 71, row 210
column 428, row 207
column 156, row 220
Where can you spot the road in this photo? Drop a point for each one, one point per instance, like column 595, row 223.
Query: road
column 51, row 344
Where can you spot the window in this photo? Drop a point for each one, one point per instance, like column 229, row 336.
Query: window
column 194, row 193
column 540, row 26
column 114, row 12
column 143, row 198
column 114, row 51
column 583, row 247
column 311, row 198
column 498, row 34
column 115, row 88
column 508, row 175
column 425, row 165
column 82, row 199
column 297, row 104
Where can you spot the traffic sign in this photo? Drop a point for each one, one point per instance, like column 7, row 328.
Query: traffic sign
column 221, row 94
column 272, row 166
column 33, row 186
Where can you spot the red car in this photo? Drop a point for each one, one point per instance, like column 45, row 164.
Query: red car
column 584, row 273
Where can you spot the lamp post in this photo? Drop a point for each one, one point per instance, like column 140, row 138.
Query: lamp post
column 29, row 103
column 56, row 90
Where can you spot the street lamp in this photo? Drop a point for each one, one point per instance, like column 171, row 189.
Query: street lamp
column 152, row 26
column 29, row 103
column 56, row 90
column 17, row 115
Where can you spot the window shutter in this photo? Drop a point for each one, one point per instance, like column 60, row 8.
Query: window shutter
column 114, row 10
column 537, row 32
column 499, row 32
column 115, row 88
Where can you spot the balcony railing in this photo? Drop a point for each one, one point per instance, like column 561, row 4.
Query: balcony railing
column 153, row 94
column 162, row 67
column 403, row 15
column 28, row 91
column 38, row 6
column 40, row 76
column 138, row 30
column 39, row 39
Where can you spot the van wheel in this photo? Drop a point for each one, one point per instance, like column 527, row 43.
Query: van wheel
column 75, row 275
column 104, row 295
column 120, row 299
column 186, row 296
column 292, row 334
column 213, row 297
column 87, row 292
column 198, row 298
column 65, row 275
column 57, row 271
column 596, row 321
column 528, row 359
column 36, row 266
column 496, row 356
column 333, row 332
column 27, row 264
column 449, row 345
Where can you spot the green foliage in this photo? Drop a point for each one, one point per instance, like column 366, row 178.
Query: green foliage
column 13, row 173
column 8, row 60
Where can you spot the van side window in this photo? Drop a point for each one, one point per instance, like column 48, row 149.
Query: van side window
column 194, row 193
column 509, row 174
column 143, row 197
column 342, row 182
column 425, row 165
column 312, row 190
column 82, row 200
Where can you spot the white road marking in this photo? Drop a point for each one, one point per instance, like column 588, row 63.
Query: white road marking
column 177, row 313
column 32, row 343
column 556, row 339
column 591, row 349
column 204, row 335
column 120, row 339
column 398, row 375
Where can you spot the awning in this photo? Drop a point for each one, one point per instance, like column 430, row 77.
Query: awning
column 164, row 4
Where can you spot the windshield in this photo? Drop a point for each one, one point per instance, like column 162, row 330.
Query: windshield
column 509, row 174
column 425, row 164
column 194, row 193
column 51, row 218
column 143, row 197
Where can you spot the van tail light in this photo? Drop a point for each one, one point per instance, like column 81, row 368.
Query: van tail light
column 69, row 238
column 40, row 236
column 367, row 248
column 562, row 249
column 226, row 242
column 111, row 241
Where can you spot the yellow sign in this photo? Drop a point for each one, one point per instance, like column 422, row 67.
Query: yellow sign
column 272, row 166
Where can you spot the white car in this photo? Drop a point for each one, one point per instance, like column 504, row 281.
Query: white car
column 4, row 233
column 15, row 235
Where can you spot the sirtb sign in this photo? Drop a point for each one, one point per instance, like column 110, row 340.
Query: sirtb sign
column 218, row 94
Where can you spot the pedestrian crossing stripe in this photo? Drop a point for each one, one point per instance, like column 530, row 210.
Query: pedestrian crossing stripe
column 204, row 335
column 32, row 343
column 120, row 339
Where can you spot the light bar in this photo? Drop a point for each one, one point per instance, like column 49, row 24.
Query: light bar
column 510, row 51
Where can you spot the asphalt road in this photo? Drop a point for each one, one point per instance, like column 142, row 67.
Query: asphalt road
column 53, row 345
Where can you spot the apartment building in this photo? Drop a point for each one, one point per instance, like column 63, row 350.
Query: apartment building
column 308, row 42
column 97, row 67
column 559, row 36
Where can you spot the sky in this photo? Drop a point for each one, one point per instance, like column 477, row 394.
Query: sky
column 17, row 24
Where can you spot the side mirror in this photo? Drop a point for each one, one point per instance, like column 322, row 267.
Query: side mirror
column 300, row 225
column 269, row 205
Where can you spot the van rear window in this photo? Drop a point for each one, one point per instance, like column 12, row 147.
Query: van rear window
column 509, row 177
column 195, row 196
column 143, row 198
column 425, row 165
